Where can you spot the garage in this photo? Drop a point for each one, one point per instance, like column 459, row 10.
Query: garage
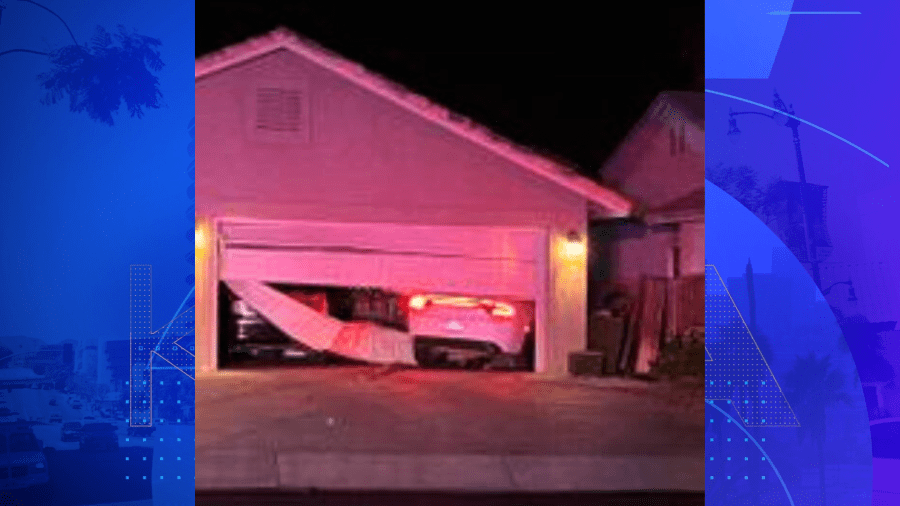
column 318, row 182
column 328, row 258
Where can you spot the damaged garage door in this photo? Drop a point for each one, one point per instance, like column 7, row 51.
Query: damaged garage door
column 364, row 341
column 483, row 263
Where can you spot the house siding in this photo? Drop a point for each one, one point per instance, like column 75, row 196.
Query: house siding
column 646, row 169
column 368, row 160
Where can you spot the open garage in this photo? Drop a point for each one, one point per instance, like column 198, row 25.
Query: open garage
column 316, row 178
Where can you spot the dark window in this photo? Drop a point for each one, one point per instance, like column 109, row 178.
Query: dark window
column 870, row 393
column 23, row 443
column 672, row 141
column 676, row 262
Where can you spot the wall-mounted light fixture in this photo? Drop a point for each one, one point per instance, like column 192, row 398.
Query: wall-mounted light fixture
column 201, row 238
column 574, row 246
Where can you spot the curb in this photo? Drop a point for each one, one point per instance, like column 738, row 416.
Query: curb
column 485, row 473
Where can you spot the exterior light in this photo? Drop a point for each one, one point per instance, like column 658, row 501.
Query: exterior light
column 780, row 118
column 734, row 134
column 851, row 295
column 574, row 246
column 199, row 238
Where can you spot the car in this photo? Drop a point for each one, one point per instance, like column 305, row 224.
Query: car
column 70, row 432
column 885, row 460
column 89, row 419
column 55, row 418
column 23, row 464
column 99, row 437
column 53, row 402
column 256, row 339
column 76, row 405
column 8, row 416
column 141, row 431
column 468, row 331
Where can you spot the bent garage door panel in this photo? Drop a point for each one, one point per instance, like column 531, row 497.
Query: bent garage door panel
column 481, row 260
column 358, row 340
column 391, row 271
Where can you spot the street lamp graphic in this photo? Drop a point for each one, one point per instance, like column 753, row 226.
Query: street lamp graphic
column 851, row 296
column 785, row 117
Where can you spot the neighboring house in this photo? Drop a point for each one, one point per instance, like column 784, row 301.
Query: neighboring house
column 312, row 170
column 883, row 393
column 659, row 165
column 655, row 259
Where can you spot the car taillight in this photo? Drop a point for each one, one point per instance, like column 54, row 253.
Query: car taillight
column 501, row 309
column 418, row 302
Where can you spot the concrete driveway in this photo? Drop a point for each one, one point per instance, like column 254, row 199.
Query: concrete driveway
column 384, row 428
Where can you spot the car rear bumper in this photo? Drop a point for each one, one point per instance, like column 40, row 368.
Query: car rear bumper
column 428, row 348
column 20, row 482
column 501, row 337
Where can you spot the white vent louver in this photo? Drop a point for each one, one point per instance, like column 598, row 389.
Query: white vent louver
column 279, row 110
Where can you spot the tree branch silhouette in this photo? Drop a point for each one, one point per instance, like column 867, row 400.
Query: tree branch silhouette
column 57, row 16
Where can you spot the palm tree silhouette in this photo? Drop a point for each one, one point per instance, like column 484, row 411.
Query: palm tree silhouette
column 114, row 68
column 813, row 387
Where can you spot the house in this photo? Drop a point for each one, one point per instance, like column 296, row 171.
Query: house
column 313, row 170
column 660, row 166
column 656, row 258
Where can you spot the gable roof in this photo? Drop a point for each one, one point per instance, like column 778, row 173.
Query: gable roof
column 604, row 200
column 690, row 104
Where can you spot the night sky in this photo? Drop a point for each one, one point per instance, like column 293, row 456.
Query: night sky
column 567, row 81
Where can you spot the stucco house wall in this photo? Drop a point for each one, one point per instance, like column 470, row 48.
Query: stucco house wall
column 366, row 160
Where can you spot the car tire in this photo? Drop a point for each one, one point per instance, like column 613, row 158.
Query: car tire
column 478, row 364
column 504, row 361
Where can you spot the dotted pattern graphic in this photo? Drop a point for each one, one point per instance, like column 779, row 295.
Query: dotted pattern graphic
column 175, row 344
column 739, row 470
column 141, row 341
column 737, row 372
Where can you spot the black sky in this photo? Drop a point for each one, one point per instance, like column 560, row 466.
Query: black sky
column 569, row 81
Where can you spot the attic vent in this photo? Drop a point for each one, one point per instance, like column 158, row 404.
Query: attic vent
column 278, row 110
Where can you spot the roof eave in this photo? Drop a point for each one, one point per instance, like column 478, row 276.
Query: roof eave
column 695, row 216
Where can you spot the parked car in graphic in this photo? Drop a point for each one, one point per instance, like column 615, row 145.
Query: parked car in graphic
column 8, row 416
column 469, row 331
column 99, row 437
column 22, row 463
column 76, row 405
column 55, row 418
column 53, row 401
column 141, row 431
column 70, row 432
column 885, row 460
